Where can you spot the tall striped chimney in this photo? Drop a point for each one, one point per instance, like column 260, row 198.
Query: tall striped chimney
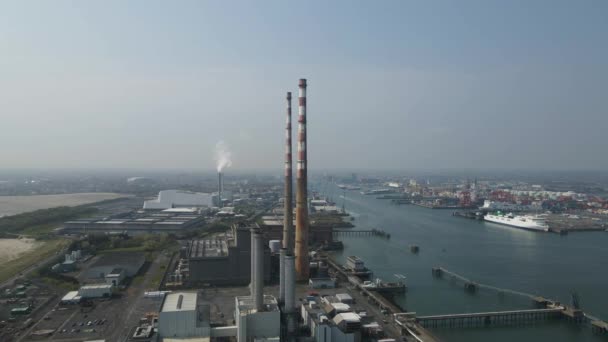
column 288, row 214
column 301, row 248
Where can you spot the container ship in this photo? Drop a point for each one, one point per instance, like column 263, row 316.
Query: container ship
column 530, row 222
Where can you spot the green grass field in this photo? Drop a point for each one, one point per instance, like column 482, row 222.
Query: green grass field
column 47, row 250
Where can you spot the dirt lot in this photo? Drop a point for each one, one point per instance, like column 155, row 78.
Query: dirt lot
column 10, row 249
column 13, row 205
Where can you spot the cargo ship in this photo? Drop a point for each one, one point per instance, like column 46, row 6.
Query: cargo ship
column 530, row 222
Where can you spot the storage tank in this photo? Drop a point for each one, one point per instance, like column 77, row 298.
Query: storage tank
column 274, row 245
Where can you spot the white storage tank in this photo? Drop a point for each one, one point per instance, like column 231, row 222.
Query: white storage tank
column 274, row 245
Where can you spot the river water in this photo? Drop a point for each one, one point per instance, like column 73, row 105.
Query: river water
column 543, row 264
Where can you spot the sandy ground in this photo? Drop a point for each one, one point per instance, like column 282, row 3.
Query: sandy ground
column 12, row 205
column 11, row 248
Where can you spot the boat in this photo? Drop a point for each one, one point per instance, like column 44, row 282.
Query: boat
column 503, row 206
column 530, row 222
column 377, row 192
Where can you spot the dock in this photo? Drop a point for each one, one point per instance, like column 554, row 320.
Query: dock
column 547, row 309
column 476, row 319
column 434, row 206
column 599, row 327
column 369, row 232
column 411, row 328
column 401, row 201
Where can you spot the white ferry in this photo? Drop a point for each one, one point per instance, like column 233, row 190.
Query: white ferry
column 531, row 222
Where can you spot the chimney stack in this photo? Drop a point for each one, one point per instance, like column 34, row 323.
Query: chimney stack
column 288, row 214
column 257, row 273
column 290, row 292
column 219, row 189
column 301, row 241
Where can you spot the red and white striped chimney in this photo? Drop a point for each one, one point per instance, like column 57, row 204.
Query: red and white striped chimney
column 301, row 247
column 288, row 215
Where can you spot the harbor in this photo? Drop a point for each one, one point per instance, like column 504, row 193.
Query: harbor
column 541, row 264
column 559, row 224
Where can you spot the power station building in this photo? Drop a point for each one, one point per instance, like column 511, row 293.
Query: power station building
column 223, row 260
column 182, row 315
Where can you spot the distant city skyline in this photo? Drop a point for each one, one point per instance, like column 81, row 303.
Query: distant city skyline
column 391, row 85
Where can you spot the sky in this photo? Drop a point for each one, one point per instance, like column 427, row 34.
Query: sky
column 391, row 84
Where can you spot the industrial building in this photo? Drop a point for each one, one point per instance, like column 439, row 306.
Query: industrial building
column 331, row 322
column 126, row 264
column 71, row 297
column 182, row 315
column 181, row 199
column 242, row 257
column 115, row 277
column 224, row 259
column 173, row 220
column 95, row 291
column 258, row 324
column 257, row 317
column 272, row 228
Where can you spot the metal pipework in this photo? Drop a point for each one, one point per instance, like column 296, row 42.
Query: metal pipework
column 301, row 241
column 288, row 215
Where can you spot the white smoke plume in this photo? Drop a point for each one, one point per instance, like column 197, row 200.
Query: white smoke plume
column 223, row 156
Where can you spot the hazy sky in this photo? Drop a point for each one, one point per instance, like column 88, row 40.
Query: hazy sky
column 392, row 84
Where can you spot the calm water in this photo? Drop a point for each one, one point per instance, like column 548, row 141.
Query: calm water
column 545, row 264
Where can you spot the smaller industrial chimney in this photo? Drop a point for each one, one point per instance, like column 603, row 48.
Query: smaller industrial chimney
column 220, row 186
column 257, row 273
column 290, row 291
column 282, row 255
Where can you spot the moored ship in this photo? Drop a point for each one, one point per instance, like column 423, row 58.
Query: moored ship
column 531, row 222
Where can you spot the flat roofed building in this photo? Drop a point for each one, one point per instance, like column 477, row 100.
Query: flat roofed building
column 115, row 277
column 253, row 325
column 129, row 262
column 71, row 297
column 342, row 328
column 355, row 264
column 182, row 315
column 95, row 291
column 344, row 298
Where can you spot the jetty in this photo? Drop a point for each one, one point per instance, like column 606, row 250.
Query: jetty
column 369, row 232
column 409, row 328
column 476, row 319
column 547, row 309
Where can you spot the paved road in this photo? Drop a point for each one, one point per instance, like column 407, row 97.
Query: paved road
column 129, row 318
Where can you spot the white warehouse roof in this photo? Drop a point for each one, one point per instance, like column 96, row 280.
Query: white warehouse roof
column 168, row 199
